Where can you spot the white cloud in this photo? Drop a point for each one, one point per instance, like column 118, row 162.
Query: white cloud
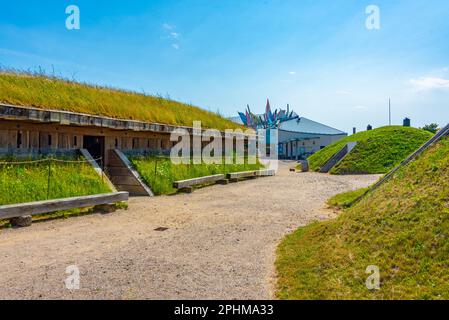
column 292, row 72
column 429, row 83
column 171, row 35
column 167, row 26
column 360, row 107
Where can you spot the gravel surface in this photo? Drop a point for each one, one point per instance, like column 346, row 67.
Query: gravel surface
column 220, row 242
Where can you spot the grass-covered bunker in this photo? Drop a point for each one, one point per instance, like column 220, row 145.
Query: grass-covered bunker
column 39, row 114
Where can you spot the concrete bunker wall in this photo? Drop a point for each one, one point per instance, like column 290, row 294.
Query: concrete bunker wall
column 17, row 136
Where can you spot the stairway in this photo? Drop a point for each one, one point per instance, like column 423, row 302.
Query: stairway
column 336, row 158
column 124, row 176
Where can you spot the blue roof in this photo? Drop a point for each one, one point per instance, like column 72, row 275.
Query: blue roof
column 305, row 125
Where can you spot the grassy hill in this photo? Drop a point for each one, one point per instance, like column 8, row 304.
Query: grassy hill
column 377, row 151
column 402, row 227
column 51, row 93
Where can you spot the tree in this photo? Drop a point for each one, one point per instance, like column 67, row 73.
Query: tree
column 433, row 127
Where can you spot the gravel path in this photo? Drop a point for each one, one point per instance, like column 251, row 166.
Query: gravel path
column 220, row 243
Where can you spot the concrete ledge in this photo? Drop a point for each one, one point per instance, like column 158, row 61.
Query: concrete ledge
column 49, row 206
column 196, row 181
column 14, row 112
column 67, row 118
column 250, row 174
column 240, row 175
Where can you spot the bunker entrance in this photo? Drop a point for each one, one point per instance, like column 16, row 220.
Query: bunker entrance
column 95, row 146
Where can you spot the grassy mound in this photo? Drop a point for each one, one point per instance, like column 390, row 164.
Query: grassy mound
column 160, row 173
column 51, row 93
column 29, row 182
column 402, row 227
column 377, row 151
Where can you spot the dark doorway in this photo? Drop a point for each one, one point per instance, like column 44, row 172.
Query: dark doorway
column 95, row 146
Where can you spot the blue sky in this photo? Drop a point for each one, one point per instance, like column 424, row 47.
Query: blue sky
column 318, row 56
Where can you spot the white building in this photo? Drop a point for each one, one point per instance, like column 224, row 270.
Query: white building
column 299, row 138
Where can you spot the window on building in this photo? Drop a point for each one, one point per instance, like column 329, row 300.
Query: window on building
column 116, row 143
column 19, row 139
column 49, row 140
column 135, row 143
column 75, row 141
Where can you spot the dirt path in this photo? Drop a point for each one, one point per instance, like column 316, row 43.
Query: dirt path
column 220, row 243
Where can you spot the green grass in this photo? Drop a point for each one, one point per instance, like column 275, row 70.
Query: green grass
column 402, row 227
column 346, row 199
column 29, row 182
column 377, row 151
column 160, row 173
column 52, row 93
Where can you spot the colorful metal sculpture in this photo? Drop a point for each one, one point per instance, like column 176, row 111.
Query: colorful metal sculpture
column 268, row 120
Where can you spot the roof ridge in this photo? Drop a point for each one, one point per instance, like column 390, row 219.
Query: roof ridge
column 337, row 131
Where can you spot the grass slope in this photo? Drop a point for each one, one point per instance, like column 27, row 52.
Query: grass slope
column 28, row 182
column 402, row 227
column 160, row 173
column 346, row 199
column 51, row 93
column 377, row 151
